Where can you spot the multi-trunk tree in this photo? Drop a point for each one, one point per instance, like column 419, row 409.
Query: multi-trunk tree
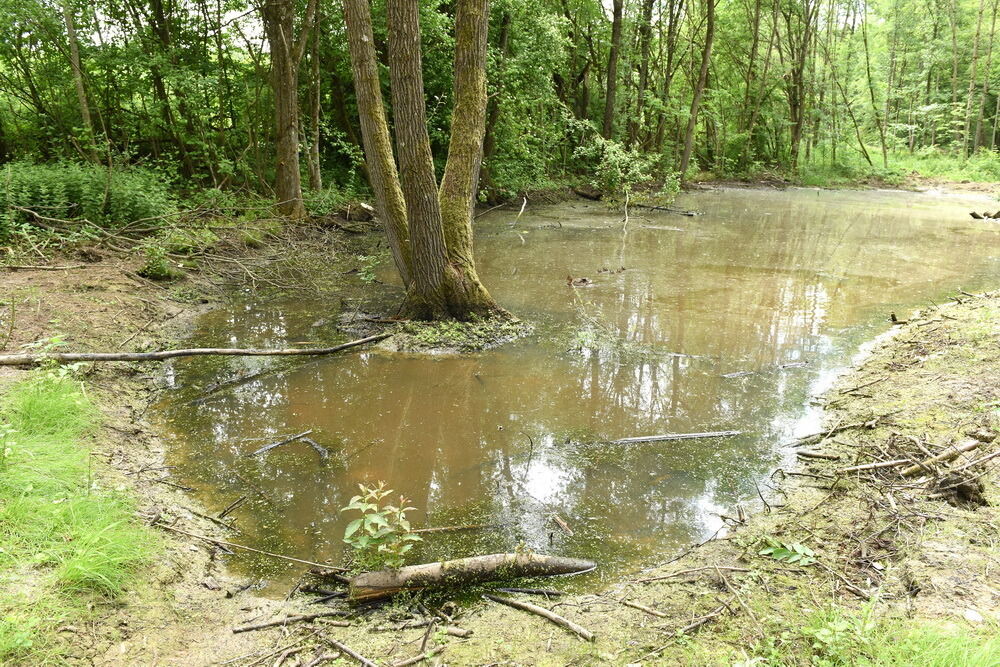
column 429, row 226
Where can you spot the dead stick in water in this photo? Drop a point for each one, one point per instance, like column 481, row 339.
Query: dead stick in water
column 545, row 613
column 70, row 357
column 246, row 548
column 675, row 436
column 293, row 619
column 267, row 448
column 343, row 648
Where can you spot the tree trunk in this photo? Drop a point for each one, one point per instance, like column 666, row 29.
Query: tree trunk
column 426, row 299
column 706, row 57
column 612, row 85
column 315, row 109
column 81, row 91
column 645, row 37
column 379, row 161
column 467, row 297
column 278, row 17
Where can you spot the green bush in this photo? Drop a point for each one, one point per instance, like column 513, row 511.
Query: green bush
column 69, row 191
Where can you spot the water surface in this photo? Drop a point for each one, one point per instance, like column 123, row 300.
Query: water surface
column 726, row 320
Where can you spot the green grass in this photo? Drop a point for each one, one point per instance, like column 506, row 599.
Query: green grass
column 834, row 636
column 851, row 168
column 65, row 542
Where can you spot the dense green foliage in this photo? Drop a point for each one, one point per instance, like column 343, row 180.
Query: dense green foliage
column 833, row 90
column 64, row 538
column 54, row 193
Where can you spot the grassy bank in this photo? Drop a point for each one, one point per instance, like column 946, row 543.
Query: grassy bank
column 67, row 545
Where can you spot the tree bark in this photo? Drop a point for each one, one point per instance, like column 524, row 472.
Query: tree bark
column 426, row 299
column 278, row 17
column 379, row 160
column 315, row 112
column 78, row 83
column 467, row 297
column 463, row 571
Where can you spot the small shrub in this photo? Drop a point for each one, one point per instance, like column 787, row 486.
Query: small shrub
column 157, row 265
column 381, row 537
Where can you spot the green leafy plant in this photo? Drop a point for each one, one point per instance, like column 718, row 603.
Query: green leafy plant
column 382, row 536
column 157, row 266
column 788, row 552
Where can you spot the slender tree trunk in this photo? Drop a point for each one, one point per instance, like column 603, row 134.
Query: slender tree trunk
column 973, row 76
column 467, row 297
column 315, row 109
column 81, row 91
column 278, row 17
column 645, row 38
column 706, row 58
column 879, row 122
column 977, row 138
column 379, row 160
column 427, row 298
column 493, row 106
column 612, row 85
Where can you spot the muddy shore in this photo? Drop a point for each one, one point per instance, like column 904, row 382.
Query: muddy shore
column 910, row 549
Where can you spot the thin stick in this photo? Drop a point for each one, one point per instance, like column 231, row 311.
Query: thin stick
column 875, row 466
column 948, row 455
column 246, row 548
column 19, row 267
column 293, row 619
column 343, row 648
column 69, row 357
column 419, row 658
column 697, row 569
column 273, row 445
column 644, row 608
column 818, row 455
column 545, row 613
column 675, row 436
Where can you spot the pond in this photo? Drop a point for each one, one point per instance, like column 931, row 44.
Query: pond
column 729, row 320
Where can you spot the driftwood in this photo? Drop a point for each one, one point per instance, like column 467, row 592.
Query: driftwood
column 545, row 613
column 71, row 357
column 949, row 454
column 344, row 648
column 293, row 619
column 386, row 583
column 675, row 436
column 806, row 454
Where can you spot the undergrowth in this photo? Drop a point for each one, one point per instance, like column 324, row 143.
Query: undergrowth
column 65, row 541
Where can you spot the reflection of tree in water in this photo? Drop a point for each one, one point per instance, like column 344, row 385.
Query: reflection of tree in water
column 503, row 437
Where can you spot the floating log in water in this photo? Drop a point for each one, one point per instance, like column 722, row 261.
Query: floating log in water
column 675, row 436
column 71, row 357
column 462, row 571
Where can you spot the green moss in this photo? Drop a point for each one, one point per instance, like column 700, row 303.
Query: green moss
column 457, row 336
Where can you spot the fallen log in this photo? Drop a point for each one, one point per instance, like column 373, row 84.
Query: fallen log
column 675, row 436
column 545, row 613
column 33, row 359
column 462, row 571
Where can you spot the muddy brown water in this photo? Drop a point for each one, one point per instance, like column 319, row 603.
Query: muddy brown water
column 732, row 319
